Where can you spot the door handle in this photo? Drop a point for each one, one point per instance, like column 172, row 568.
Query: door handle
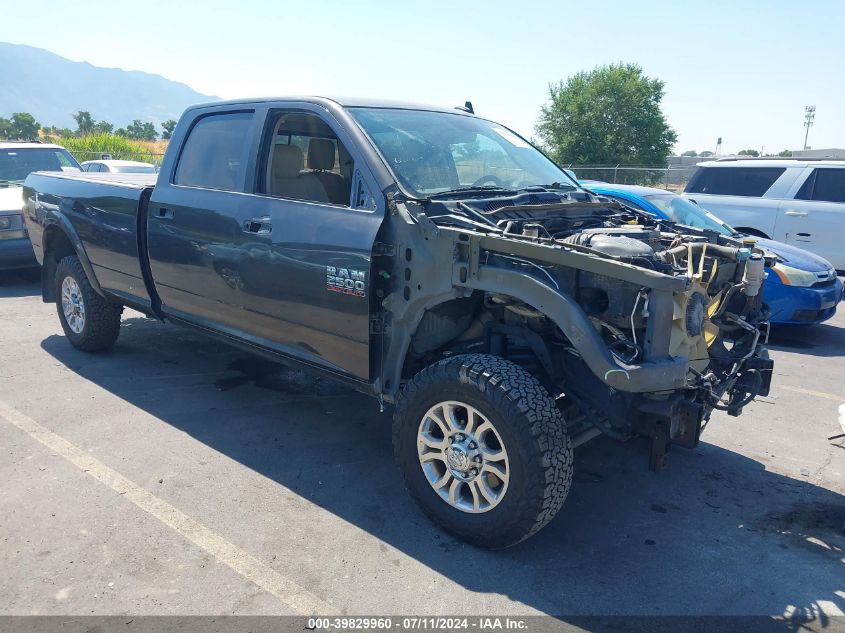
column 165, row 214
column 797, row 214
column 259, row 226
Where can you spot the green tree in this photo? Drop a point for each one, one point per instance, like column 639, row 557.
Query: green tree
column 141, row 131
column 706, row 154
column 690, row 152
column 21, row 127
column 785, row 153
column 168, row 127
column 102, row 127
column 749, row 152
column 52, row 130
column 610, row 115
column 84, row 122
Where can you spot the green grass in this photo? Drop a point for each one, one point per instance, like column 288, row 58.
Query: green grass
column 91, row 146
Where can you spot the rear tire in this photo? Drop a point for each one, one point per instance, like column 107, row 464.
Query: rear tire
column 483, row 449
column 90, row 323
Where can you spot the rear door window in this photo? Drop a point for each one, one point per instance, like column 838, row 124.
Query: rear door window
column 214, row 155
column 824, row 185
column 734, row 181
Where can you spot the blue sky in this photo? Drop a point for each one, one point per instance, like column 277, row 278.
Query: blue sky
column 742, row 70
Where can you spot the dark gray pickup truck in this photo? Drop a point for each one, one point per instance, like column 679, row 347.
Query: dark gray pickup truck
column 435, row 260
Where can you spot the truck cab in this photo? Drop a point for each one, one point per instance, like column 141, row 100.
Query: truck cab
column 253, row 229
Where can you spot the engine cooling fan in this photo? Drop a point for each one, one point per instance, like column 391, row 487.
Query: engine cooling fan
column 692, row 332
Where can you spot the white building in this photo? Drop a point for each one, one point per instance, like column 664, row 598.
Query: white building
column 832, row 152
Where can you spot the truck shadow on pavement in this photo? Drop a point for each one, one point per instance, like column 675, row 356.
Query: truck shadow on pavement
column 716, row 533
column 20, row 283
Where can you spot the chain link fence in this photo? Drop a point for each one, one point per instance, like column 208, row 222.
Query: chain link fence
column 671, row 178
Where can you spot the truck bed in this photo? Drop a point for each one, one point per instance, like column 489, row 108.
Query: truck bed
column 134, row 181
column 105, row 214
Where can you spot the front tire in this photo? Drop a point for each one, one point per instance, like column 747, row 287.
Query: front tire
column 90, row 322
column 483, row 449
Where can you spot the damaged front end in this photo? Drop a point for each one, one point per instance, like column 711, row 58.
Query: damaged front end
column 640, row 326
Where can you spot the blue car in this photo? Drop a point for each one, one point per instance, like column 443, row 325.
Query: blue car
column 801, row 288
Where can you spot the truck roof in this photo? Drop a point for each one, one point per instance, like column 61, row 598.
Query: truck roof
column 770, row 162
column 27, row 145
column 346, row 102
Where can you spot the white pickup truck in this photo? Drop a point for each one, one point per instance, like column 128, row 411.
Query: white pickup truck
column 797, row 201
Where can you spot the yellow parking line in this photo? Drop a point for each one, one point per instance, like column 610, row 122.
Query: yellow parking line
column 231, row 555
column 810, row 392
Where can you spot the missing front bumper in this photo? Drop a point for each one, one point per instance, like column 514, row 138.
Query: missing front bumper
column 675, row 420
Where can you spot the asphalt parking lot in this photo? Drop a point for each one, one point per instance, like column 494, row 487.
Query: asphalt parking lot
column 174, row 475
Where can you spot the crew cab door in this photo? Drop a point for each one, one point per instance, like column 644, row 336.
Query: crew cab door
column 272, row 259
column 194, row 212
column 306, row 276
column 814, row 216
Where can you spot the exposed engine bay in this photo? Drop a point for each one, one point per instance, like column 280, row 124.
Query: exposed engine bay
column 717, row 319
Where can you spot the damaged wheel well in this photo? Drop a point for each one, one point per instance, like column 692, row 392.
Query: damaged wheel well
column 489, row 323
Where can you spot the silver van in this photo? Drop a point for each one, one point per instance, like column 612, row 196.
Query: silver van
column 797, row 201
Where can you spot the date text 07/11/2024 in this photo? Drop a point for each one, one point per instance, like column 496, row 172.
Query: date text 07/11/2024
column 417, row 623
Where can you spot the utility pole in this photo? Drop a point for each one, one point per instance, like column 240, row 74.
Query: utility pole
column 809, row 115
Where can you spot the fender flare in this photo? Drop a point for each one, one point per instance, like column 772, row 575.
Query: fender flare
column 60, row 223
column 659, row 375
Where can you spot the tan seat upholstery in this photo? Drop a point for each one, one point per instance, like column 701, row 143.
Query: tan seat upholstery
column 288, row 181
column 321, row 159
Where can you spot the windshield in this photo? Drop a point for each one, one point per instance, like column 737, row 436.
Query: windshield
column 683, row 211
column 134, row 169
column 19, row 162
column 433, row 152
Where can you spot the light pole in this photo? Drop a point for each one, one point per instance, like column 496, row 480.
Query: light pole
column 809, row 115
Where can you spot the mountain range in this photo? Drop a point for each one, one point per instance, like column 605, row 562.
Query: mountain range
column 52, row 88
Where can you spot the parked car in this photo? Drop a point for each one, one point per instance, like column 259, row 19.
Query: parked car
column 801, row 288
column 17, row 161
column 341, row 237
column 118, row 166
column 800, row 202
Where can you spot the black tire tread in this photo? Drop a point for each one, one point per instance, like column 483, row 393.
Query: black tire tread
column 527, row 404
column 102, row 318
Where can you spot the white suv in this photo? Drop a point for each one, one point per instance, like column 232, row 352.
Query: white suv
column 797, row 201
column 17, row 161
